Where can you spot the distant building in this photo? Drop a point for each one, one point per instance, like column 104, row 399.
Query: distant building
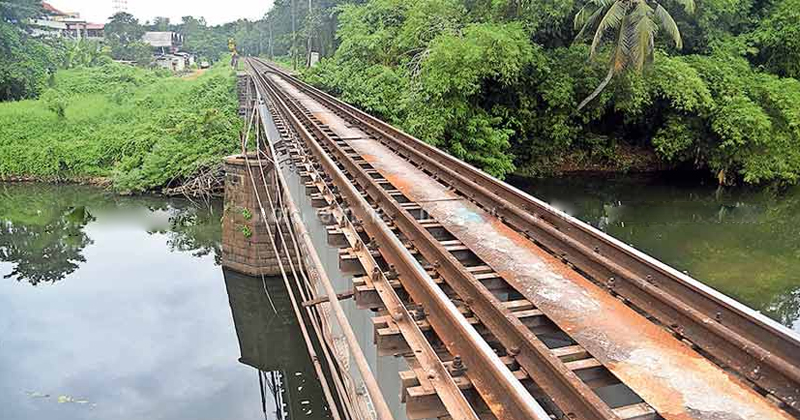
column 85, row 30
column 56, row 14
column 47, row 28
column 164, row 42
column 56, row 23
column 171, row 62
column 187, row 57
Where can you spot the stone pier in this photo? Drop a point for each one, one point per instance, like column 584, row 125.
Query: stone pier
column 246, row 91
column 246, row 243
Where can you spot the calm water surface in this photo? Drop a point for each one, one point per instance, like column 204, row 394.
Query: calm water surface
column 117, row 308
column 743, row 242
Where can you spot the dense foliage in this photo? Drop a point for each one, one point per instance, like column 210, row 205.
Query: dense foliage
column 25, row 62
column 499, row 83
column 141, row 128
column 28, row 62
column 123, row 36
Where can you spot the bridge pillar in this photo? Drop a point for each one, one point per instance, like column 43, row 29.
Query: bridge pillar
column 246, row 92
column 246, row 243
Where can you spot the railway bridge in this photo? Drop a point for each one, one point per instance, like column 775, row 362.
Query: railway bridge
column 500, row 306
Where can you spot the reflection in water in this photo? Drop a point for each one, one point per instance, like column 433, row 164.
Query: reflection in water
column 272, row 344
column 743, row 242
column 42, row 227
column 194, row 230
column 131, row 319
column 42, row 235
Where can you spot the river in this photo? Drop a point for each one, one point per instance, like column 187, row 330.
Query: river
column 117, row 308
column 744, row 242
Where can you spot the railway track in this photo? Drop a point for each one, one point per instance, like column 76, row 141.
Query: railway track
column 506, row 308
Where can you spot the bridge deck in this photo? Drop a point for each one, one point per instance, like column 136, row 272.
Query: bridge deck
column 674, row 379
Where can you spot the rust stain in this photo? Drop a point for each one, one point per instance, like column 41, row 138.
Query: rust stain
column 678, row 382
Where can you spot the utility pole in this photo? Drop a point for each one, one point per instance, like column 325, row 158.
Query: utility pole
column 294, row 36
column 271, row 49
column 310, row 31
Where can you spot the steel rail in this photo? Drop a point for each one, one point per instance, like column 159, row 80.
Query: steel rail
column 334, row 365
column 295, row 307
column 503, row 393
column 567, row 391
column 309, row 251
column 446, row 388
column 756, row 347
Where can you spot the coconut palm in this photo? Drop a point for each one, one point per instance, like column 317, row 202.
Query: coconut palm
column 631, row 25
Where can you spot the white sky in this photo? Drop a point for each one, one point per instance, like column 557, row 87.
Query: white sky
column 215, row 11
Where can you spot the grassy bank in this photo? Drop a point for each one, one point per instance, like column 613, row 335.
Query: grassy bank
column 140, row 129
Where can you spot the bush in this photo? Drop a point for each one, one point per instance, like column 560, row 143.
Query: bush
column 135, row 126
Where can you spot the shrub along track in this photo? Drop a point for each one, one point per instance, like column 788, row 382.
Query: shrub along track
column 510, row 309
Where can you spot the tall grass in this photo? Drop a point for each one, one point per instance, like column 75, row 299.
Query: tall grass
column 140, row 128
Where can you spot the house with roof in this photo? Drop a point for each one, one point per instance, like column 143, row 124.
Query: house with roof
column 57, row 23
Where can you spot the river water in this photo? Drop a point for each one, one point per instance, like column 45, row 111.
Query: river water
column 744, row 242
column 117, row 308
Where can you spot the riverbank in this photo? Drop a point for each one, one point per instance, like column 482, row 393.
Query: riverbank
column 616, row 160
column 128, row 128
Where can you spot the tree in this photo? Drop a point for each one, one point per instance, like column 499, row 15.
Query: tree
column 124, row 28
column 634, row 25
column 124, row 35
column 161, row 24
column 17, row 12
column 26, row 63
column 778, row 37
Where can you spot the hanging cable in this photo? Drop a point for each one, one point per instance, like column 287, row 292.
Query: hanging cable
column 244, row 153
column 298, row 315
column 278, row 217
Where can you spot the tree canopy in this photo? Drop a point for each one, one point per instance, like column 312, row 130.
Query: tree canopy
column 516, row 86
column 509, row 87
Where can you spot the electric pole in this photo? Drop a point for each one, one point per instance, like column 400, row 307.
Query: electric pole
column 271, row 49
column 294, row 36
column 310, row 23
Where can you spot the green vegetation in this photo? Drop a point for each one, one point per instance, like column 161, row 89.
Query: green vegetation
column 142, row 129
column 123, row 35
column 28, row 63
column 246, row 232
column 633, row 26
column 25, row 62
column 500, row 84
column 511, row 87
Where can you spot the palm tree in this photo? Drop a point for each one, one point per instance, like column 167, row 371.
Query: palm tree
column 632, row 26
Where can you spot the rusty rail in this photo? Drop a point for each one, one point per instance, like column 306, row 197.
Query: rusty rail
column 558, row 381
column 754, row 346
column 309, row 251
column 447, row 390
column 502, row 392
